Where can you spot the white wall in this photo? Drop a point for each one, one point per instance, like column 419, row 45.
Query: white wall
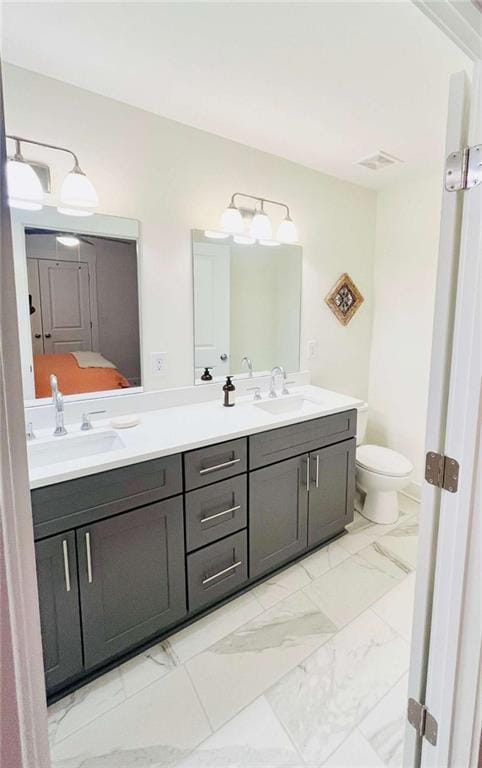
column 407, row 232
column 174, row 178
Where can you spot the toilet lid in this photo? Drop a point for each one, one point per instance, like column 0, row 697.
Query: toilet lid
column 384, row 461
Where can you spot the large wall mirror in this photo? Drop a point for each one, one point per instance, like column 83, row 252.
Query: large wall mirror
column 78, row 303
column 247, row 300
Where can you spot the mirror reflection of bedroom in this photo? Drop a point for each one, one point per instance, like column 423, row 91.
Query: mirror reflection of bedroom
column 84, row 311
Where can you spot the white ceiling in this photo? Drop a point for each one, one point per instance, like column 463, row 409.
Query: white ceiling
column 322, row 84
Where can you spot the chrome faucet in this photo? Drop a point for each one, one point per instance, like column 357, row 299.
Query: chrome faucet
column 249, row 365
column 272, row 384
column 58, row 401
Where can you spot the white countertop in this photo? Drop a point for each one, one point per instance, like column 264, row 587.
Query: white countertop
column 181, row 428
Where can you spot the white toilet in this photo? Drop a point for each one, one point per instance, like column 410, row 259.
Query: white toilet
column 380, row 474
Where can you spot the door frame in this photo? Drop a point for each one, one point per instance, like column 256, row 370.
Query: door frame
column 456, row 630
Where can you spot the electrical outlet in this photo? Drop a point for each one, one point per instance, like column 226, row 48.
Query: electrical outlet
column 159, row 362
column 312, row 349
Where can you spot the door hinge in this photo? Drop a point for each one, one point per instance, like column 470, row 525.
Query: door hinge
column 463, row 169
column 424, row 723
column 442, row 471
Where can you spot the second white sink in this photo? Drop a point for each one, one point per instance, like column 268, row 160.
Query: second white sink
column 288, row 404
column 60, row 449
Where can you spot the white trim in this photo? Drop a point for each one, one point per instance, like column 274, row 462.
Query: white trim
column 456, row 620
column 460, row 20
column 449, row 244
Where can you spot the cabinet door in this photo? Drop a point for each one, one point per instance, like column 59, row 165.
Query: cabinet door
column 132, row 578
column 59, row 608
column 332, row 490
column 278, row 509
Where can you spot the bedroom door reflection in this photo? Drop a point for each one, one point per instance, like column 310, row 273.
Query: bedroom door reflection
column 59, row 302
column 84, row 312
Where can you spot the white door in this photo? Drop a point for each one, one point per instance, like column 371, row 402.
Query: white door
column 452, row 430
column 66, row 315
column 35, row 307
column 211, row 308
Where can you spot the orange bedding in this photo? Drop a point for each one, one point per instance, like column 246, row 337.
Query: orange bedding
column 71, row 378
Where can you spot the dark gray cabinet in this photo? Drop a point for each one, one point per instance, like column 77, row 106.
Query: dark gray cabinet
column 332, row 489
column 59, row 608
column 217, row 570
column 132, row 578
column 278, row 514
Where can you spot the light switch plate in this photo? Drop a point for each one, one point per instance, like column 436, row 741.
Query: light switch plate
column 159, row 362
column 312, row 349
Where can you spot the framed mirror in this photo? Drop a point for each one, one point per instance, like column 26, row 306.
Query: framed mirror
column 78, row 303
column 247, row 304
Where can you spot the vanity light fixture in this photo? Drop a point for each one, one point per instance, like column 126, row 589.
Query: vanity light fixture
column 70, row 241
column 255, row 223
column 24, row 187
column 77, row 193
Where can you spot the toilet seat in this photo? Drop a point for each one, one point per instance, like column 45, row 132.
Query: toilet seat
column 383, row 461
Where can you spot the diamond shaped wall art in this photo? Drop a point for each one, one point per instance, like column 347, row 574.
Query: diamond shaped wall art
column 344, row 299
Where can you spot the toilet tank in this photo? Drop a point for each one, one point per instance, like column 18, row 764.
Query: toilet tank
column 361, row 423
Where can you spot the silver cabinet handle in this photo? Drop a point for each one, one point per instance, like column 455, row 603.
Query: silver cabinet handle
column 218, row 466
column 308, row 474
column 221, row 573
column 89, row 558
column 220, row 514
column 65, row 549
column 317, row 475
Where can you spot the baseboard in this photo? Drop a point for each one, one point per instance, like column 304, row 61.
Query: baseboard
column 413, row 491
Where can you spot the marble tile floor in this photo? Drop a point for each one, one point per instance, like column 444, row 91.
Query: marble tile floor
column 307, row 669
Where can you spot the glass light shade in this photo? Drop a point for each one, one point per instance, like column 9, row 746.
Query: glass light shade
column 243, row 240
column 270, row 243
column 77, row 191
column 24, row 187
column 231, row 220
column 75, row 211
column 215, row 234
column 68, row 240
column 287, row 232
column 261, row 228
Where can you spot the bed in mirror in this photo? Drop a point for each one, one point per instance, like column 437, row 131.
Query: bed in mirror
column 78, row 303
column 247, row 300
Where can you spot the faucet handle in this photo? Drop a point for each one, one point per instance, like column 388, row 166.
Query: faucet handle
column 257, row 392
column 86, row 422
column 285, row 390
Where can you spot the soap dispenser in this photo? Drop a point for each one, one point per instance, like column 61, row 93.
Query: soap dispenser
column 229, row 396
column 206, row 375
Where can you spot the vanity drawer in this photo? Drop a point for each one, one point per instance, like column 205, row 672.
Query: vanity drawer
column 216, row 462
column 285, row 442
column 215, row 511
column 59, row 507
column 217, row 570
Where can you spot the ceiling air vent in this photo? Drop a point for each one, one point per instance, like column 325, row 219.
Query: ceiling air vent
column 378, row 161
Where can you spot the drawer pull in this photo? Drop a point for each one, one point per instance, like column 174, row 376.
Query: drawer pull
column 317, row 476
column 219, row 466
column 220, row 514
column 89, row 558
column 221, row 573
column 66, row 565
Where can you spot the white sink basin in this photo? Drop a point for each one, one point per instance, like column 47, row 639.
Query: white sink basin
column 60, row 449
column 288, row 404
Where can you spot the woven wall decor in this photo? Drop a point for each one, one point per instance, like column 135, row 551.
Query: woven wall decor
column 344, row 299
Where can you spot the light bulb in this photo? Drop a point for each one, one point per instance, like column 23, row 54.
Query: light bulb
column 24, row 187
column 231, row 220
column 215, row 234
column 68, row 240
column 287, row 232
column 270, row 243
column 78, row 192
column 261, row 228
column 243, row 240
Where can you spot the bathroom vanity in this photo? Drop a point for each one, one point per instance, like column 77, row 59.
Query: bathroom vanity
column 129, row 555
